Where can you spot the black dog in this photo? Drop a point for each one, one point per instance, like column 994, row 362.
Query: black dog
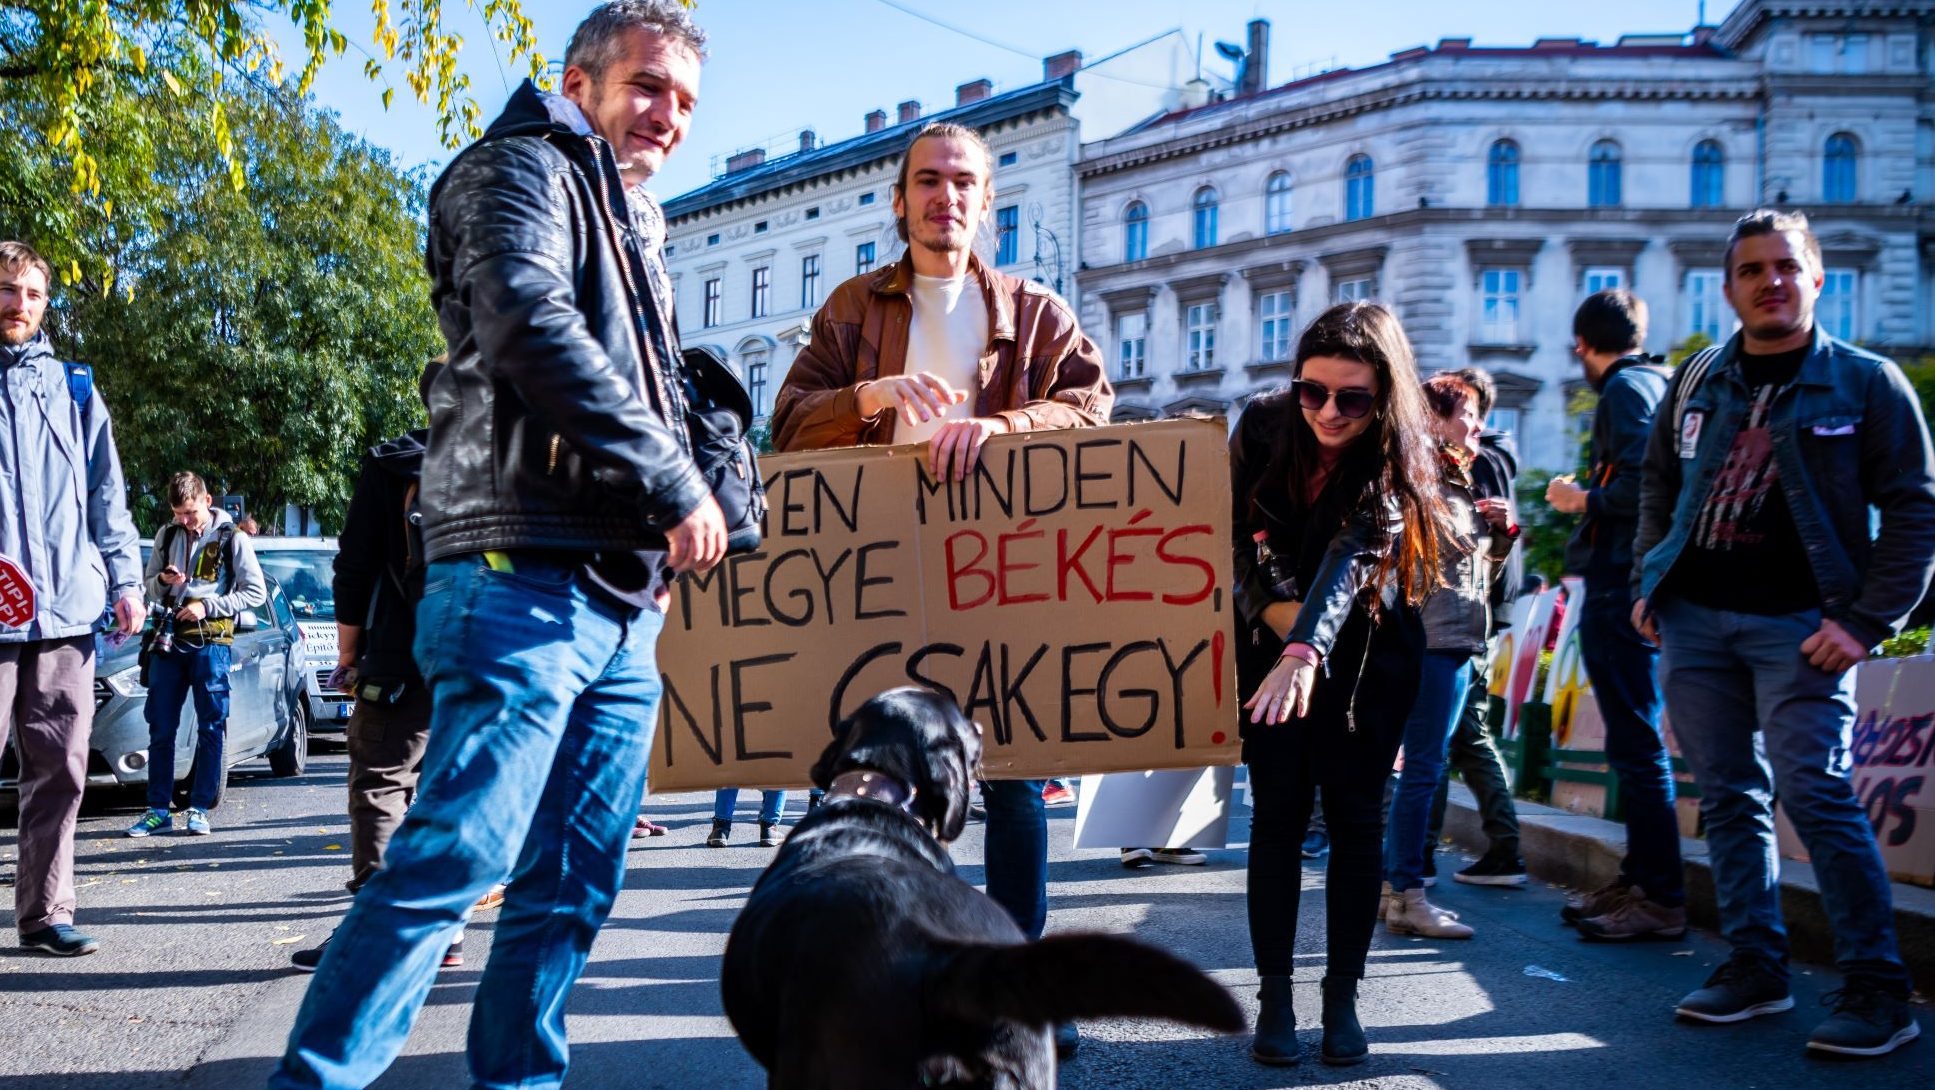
column 861, row 962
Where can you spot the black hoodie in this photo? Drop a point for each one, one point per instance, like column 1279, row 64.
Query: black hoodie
column 1494, row 473
column 378, row 566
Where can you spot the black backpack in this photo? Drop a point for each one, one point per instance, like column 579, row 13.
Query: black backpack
column 718, row 413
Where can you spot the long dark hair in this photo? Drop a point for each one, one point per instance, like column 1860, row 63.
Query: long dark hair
column 1391, row 462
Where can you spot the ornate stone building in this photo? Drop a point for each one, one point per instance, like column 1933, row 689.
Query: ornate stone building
column 1483, row 192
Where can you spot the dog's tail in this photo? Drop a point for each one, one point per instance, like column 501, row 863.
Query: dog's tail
column 1064, row 977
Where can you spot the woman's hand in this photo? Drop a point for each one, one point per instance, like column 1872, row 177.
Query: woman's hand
column 1497, row 511
column 1285, row 693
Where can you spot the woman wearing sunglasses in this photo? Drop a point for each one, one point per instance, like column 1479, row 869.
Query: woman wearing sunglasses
column 1337, row 526
column 1457, row 622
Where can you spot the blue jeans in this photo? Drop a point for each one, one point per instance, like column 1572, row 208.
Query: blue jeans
column 1621, row 666
column 546, row 694
column 770, row 804
column 1016, row 852
column 1442, row 680
column 1755, row 719
column 202, row 671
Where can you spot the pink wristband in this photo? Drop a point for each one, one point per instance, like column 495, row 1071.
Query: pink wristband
column 1310, row 658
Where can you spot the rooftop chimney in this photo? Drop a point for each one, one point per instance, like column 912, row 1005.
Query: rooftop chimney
column 808, row 140
column 909, row 111
column 1256, row 58
column 973, row 92
column 745, row 159
column 1061, row 65
column 876, row 120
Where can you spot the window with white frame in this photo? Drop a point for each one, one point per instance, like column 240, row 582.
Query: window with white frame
column 1501, row 175
column 1200, row 337
column 863, row 258
column 1350, row 291
column 1707, row 312
column 1838, row 311
column 1498, row 304
column 1842, row 54
column 1007, row 235
column 759, row 381
column 1135, row 232
column 1276, row 204
column 1838, row 168
column 809, row 281
column 1503, row 420
column 762, row 291
column 1203, row 209
column 1273, row 319
column 1131, row 344
column 1360, row 188
column 1603, row 278
column 1603, row 175
column 713, row 301
column 1709, row 175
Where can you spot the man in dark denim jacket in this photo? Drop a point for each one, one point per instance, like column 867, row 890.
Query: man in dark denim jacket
column 1766, row 581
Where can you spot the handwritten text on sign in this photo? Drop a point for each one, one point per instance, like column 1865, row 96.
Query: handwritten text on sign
column 1070, row 595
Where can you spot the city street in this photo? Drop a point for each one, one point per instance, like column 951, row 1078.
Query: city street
column 193, row 989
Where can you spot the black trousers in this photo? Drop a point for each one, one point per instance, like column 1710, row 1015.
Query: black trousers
column 1351, row 762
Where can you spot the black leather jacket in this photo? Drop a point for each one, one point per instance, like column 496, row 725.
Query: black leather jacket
column 1332, row 564
column 548, row 429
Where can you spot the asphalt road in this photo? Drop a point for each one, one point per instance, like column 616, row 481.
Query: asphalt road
column 192, row 987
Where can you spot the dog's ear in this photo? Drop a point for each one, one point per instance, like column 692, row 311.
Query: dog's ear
column 950, row 759
column 824, row 769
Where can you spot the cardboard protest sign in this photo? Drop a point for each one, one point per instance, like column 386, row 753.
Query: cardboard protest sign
column 1894, row 764
column 1071, row 595
column 16, row 594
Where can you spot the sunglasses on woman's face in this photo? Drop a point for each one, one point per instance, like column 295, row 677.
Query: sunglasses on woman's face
column 1355, row 404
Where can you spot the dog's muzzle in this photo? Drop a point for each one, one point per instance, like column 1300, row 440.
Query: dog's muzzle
column 865, row 783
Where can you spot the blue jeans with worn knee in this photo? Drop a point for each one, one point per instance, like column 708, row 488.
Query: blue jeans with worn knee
column 770, row 805
column 1016, row 851
column 1442, row 681
column 172, row 676
column 546, row 693
column 1755, row 719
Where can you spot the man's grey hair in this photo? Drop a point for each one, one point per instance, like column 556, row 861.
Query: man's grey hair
column 595, row 44
column 1772, row 221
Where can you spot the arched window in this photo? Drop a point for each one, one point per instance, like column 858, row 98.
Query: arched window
column 1602, row 175
column 1837, row 169
column 1135, row 232
column 1501, row 175
column 1205, row 217
column 1709, row 175
column 1360, row 193
column 1276, row 204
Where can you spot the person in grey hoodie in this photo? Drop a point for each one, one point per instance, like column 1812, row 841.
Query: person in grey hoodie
column 204, row 570
column 64, row 525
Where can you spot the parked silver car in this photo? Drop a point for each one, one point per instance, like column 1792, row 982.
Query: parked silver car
column 306, row 568
column 268, row 714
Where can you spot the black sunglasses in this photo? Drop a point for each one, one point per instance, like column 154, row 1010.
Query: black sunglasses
column 1355, row 404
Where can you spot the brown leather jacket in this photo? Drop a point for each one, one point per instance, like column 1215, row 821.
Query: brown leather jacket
column 1039, row 370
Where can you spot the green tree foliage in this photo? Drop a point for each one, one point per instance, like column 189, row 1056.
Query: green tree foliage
column 84, row 63
column 1544, row 531
column 261, row 337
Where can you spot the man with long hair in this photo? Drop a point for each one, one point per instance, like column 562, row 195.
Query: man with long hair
column 940, row 349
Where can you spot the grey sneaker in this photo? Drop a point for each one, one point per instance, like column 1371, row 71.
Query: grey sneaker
column 1138, row 858
column 1188, row 857
column 1868, row 1020
column 198, row 822
column 1741, row 988
column 721, row 833
column 1586, row 905
column 1635, row 917
column 768, row 835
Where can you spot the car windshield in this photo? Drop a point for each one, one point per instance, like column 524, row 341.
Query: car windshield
column 306, row 580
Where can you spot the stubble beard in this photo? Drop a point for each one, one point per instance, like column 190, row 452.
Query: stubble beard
column 16, row 339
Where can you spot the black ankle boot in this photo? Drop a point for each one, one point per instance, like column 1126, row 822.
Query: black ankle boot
column 1276, row 1024
column 1343, row 1036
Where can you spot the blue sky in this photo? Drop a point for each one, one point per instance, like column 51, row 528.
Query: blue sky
column 778, row 66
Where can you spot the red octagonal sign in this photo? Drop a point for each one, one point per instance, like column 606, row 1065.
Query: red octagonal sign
column 16, row 593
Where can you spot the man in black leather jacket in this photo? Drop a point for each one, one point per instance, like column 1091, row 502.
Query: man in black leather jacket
column 557, row 493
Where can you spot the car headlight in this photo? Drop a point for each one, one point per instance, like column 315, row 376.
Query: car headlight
column 127, row 682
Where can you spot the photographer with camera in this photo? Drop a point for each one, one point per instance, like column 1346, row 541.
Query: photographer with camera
column 204, row 573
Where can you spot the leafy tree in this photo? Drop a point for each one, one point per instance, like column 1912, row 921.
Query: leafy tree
column 84, row 63
column 261, row 337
